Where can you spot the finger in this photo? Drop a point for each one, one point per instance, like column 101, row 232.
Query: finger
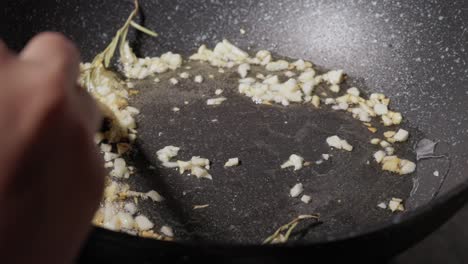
column 88, row 109
column 55, row 52
column 5, row 53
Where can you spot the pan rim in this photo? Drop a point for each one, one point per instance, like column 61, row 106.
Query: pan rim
column 458, row 193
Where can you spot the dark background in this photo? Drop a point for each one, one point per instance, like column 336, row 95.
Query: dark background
column 449, row 244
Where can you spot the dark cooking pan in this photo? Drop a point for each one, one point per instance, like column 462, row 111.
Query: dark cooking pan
column 413, row 51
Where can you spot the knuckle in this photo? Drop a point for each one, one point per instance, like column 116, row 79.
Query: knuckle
column 58, row 41
column 65, row 51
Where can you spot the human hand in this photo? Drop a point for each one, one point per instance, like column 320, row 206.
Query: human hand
column 51, row 176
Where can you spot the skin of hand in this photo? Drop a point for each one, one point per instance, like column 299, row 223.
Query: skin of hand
column 51, row 176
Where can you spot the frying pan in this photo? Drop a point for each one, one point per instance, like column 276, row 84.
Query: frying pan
column 412, row 51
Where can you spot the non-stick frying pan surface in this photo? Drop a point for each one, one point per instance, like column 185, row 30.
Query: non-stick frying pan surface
column 249, row 202
column 414, row 51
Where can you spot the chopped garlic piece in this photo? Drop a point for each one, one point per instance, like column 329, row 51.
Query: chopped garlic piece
column 396, row 205
column 243, row 69
column 384, row 144
column 224, row 54
column 269, row 90
column 120, row 169
column 387, row 121
column 130, row 208
column 218, row 91
column 175, row 109
column 197, row 166
column 272, row 80
column 200, row 173
column 325, row 156
column 397, row 118
column 353, row 91
column 335, row 88
column 391, row 163
column 316, row 101
column 155, row 196
column 380, row 109
column 140, row 68
column 375, row 141
column 296, row 190
column 306, row 198
column 334, row 77
column 200, row 162
column 379, row 156
column 397, row 165
column 264, row 56
column 289, row 74
column 167, row 153
column 389, row 150
column 308, row 88
column 198, row 79
column 126, row 220
column 167, row 231
column 382, row 205
column 307, row 76
column 343, row 106
column 338, row 143
column 242, row 31
column 106, row 147
column 389, row 134
column 108, row 156
column 143, row 223
column 184, row 75
column 103, row 90
column 173, row 81
column 277, row 65
column 436, row 173
column 216, row 101
column 401, row 135
column 407, row 167
column 232, row 162
column 295, row 161
column 302, row 65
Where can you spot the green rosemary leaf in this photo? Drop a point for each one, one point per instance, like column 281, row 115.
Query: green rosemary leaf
column 111, row 50
column 143, row 29
column 104, row 58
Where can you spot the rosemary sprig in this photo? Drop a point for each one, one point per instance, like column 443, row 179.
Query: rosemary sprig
column 278, row 236
column 103, row 59
column 97, row 73
column 143, row 29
